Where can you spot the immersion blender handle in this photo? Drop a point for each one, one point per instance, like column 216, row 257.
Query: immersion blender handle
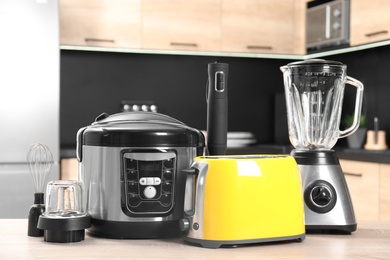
column 358, row 107
column 217, row 108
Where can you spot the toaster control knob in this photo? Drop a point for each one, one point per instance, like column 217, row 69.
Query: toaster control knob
column 184, row 224
column 150, row 192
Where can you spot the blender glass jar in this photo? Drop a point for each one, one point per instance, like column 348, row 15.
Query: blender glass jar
column 314, row 91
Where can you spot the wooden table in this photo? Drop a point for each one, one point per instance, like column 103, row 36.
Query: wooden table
column 370, row 241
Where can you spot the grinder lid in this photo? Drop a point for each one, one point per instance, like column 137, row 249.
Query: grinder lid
column 139, row 129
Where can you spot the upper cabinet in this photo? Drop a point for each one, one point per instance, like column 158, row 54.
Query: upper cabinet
column 103, row 23
column 181, row 25
column 246, row 26
column 263, row 26
column 370, row 21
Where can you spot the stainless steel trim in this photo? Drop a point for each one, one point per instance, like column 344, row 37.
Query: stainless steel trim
column 343, row 212
column 100, row 172
column 198, row 218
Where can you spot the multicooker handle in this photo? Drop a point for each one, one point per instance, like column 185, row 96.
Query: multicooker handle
column 194, row 196
column 358, row 107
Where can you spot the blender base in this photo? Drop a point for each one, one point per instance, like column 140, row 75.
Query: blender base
column 321, row 229
column 328, row 205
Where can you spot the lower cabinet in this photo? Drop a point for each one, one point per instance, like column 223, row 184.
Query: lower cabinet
column 368, row 186
column 384, row 194
column 69, row 169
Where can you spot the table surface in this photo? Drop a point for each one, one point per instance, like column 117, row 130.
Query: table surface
column 370, row 241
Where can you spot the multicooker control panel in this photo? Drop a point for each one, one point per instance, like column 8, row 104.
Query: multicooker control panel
column 148, row 181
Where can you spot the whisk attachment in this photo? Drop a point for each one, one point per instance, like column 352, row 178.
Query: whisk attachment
column 40, row 160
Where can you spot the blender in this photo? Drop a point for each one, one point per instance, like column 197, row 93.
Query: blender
column 314, row 91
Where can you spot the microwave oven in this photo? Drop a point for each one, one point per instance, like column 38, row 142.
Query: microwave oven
column 327, row 24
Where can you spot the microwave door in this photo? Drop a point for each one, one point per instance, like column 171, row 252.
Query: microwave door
column 317, row 28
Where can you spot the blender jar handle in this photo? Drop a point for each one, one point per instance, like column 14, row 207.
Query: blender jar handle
column 358, row 107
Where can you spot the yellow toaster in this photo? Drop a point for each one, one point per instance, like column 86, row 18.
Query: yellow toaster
column 240, row 199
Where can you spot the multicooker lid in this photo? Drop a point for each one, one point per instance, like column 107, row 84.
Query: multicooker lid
column 139, row 129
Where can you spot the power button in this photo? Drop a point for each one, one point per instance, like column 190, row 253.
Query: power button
column 150, row 192
column 219, row 81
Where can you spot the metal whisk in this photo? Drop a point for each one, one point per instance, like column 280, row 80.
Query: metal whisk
column 40, row 160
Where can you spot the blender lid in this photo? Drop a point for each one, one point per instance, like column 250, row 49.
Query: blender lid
column 311, row 62
column 314, row 65
column 139, row 129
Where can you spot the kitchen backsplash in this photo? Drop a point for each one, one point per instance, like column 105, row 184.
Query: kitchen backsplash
column 96, row 82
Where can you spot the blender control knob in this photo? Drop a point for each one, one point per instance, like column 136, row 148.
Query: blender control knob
column 184, row 224
column 321, row 195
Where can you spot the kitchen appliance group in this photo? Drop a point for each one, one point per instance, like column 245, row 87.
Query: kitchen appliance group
column 147, row 175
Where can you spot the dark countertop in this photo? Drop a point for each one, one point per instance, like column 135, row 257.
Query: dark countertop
column 345, row 153
column 364, row 155
column 342, row 152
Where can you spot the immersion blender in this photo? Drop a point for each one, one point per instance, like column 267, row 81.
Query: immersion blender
column 217, row 108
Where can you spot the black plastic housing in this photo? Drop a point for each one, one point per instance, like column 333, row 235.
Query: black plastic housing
column 64, row 230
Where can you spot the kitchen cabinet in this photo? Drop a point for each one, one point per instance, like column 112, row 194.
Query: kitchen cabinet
column 384, row 194
column 262, row 26
column 181, row 25
column 102, row 23
column 370, row 21
column 368, row 185
column 69, row 169
column 363, row 184
column 250, row 26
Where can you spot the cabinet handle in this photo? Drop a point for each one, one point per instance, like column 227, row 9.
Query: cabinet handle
column 353, row 174
column 98, row 40
column 184, row 44
column 376, row 33
column 258, row 47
